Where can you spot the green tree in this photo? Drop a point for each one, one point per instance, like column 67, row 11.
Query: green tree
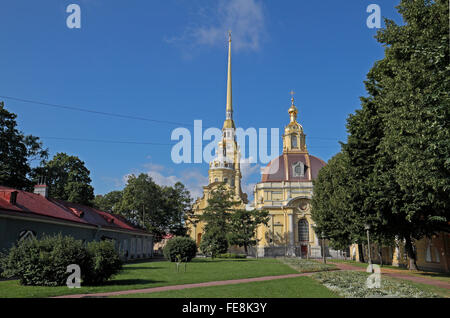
column 158, row 209
column 243, row 226
column 109, row 202
column 398, row 148
column 217, row 218
column 177, row 205
column 331, row 207
column 68, row 179
column 142, row 204
column 412, row 171
column 17, row 152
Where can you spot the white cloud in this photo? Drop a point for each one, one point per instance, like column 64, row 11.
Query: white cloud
column 245, row 18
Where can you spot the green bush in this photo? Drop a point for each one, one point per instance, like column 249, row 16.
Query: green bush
column 213, row 245
column 104, row 262
column 183, row 247
column 44, row 262
column 232, row 255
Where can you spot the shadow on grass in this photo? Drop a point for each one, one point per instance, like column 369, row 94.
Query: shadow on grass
column 219, row 260
column 123, row 282
column 437, row 274
column 144, row 260
column 141, row 267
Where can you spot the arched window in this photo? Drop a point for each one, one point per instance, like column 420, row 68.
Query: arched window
column 303, row 230
column 294, row 141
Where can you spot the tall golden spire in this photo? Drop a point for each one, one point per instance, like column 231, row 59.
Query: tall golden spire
column 229, row 123
column 229, row 94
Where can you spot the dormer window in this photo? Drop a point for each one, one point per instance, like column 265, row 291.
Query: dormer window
column 298, row 169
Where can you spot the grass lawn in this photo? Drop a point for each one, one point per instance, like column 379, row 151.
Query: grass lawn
column 298, row 287
column 160, row 273
column 444, row 277
column 305, row 265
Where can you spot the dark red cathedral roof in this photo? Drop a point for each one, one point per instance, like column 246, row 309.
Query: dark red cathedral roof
column 276, row 170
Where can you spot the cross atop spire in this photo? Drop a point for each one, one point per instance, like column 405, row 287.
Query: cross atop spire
column 292, row 96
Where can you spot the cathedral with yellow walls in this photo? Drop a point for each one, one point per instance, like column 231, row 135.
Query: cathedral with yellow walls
column 285, row 189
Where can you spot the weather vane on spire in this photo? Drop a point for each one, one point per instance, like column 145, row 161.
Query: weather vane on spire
column 229, row 35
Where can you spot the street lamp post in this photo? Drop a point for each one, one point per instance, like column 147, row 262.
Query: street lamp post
column 367, row 228
column 323, row 249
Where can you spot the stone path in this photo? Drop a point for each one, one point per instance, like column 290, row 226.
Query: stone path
column 178, row 287
column 397, row 274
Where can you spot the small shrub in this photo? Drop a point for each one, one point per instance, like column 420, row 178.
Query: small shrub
column 183, row 247
column 104, row 262
column 44, row 262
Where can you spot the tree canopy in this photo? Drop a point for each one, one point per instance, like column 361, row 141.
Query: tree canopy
column 394, row 171
column 158, row 209
column 17, row 152
column 226, row 224
column 68, row 179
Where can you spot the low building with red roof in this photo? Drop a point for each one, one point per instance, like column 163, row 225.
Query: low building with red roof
column 24, row 214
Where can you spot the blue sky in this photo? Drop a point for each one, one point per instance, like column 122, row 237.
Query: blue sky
column 166, row 60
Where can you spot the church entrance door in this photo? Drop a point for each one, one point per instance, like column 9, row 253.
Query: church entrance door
column 304, row 251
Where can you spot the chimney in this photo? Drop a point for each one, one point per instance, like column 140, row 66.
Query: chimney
column 9, row 196
column 41, row 188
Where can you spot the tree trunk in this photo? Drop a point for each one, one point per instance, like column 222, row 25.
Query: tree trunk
column 361, row 253
column 246, row 249
column 411, row 254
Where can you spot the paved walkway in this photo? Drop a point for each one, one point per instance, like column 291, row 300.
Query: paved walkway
column 178, row 287
column 397, row 274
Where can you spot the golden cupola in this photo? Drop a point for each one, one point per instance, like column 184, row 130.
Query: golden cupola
column 294, row 138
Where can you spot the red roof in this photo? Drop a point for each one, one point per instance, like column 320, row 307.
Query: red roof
column 31, row 204
column 276, row 170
